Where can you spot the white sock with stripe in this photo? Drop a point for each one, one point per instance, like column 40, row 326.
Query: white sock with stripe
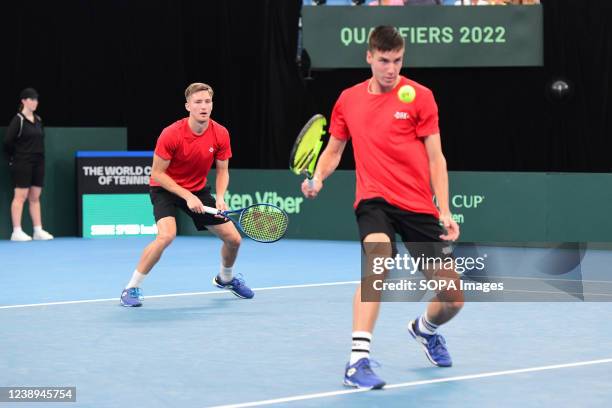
column 425, row 326
column 360, row 346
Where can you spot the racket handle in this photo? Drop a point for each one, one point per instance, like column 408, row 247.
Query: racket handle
column 310, row 183
column 211, row 210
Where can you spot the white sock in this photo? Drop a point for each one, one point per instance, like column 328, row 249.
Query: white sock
column 425, row 326
column 226, row 274
column 17, row 229
column 38, row 228
column 360, row 346
column 136, row 280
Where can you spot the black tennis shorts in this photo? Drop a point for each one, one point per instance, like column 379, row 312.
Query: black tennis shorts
column 165, row 204
column 28, row 171
column 375, row 215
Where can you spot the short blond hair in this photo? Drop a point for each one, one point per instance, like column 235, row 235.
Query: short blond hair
column 197, row 87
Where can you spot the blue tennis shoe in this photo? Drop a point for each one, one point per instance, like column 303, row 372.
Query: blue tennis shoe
column 236, row 286
column 360, row 375
column 132, row 297
column 434, row 345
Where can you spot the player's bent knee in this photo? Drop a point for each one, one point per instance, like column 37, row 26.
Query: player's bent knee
column 166, row 239
column 455, row 305
column 234, row 241
column 378, row 244
column 377, row 237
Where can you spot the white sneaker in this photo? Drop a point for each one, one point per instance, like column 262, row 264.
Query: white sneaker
column 20, row 236
column 42, row 235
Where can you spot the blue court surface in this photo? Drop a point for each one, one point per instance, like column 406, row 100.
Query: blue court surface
column 192, row 345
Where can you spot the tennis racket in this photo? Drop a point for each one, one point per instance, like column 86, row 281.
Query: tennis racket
column 307, row 147
column 260, row 222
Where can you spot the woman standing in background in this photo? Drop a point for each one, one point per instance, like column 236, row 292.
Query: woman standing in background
column 25, row 147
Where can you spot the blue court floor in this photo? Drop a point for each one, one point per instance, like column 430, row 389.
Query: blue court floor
column 192, row 345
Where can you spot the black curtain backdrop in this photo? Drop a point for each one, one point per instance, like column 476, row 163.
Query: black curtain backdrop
column 504, row 119
column 127, row 63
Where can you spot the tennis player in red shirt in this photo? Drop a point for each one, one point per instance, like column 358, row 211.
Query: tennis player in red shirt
column 399, row 160
column 184, row 155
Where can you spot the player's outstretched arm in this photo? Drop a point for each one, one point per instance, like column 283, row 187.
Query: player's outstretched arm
column 329, row 160
column 439, row 183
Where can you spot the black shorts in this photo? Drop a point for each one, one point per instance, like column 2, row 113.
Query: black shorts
column 28, row 171
column 375, row 215
column 165, row 204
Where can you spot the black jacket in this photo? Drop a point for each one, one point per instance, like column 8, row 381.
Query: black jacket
column 24, row 138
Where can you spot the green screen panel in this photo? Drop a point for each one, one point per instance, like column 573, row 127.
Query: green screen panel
column 336, row 37
column 117, row 215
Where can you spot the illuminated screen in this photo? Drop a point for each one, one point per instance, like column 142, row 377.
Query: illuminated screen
column 117, row 215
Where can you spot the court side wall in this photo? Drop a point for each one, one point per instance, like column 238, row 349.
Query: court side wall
column 489, row 206
column 59, row 194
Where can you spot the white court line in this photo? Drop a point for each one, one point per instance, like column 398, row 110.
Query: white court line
column 548, row 292
column 215, row 292
column 517, row 278
column 413, row 384
column 539, row 279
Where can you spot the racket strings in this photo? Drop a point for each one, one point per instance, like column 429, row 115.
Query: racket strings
column 264, row 223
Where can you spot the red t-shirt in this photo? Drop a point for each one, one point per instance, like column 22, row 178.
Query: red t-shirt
column 388, row 141
column 191, row 156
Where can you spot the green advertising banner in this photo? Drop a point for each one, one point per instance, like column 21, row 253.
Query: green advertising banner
column 493, row 36
column 503, row 207
column 488, row 206
column 330, row 216
column 579, row 207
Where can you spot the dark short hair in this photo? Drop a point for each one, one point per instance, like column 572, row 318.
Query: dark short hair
column 30, row 93
column 385, row 38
